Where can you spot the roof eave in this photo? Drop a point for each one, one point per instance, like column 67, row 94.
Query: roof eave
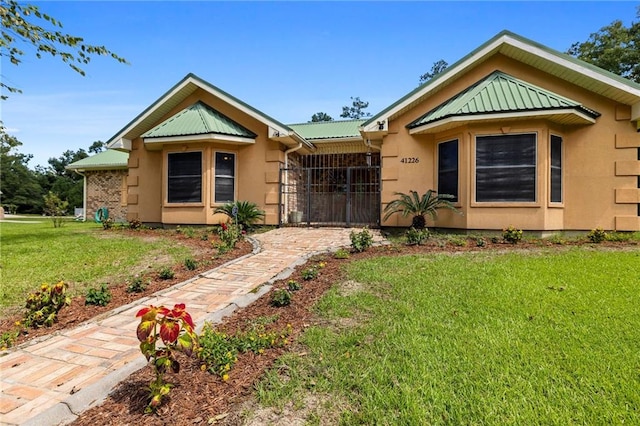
column 177, row 94
column 434, row 126
column 494, row 45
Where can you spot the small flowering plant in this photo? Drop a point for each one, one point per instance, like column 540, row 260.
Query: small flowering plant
column 175, row 328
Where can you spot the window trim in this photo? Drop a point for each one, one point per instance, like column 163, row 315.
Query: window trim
column 166, row 202
column 457, row 202
column 474, row 202
column 562, row 167
column 214, row 176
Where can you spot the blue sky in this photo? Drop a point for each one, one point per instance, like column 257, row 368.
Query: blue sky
column 288, row 59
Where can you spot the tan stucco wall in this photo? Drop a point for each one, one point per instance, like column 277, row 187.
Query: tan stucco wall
column 589, row 163
column 257, row 167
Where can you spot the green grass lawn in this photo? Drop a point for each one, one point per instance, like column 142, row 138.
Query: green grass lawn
column 82, row 254
column 481, row 338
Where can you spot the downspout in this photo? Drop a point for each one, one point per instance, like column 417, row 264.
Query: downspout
column 84, row 195
column 286, row 175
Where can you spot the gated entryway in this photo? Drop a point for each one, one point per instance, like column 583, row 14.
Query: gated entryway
column 331, row 189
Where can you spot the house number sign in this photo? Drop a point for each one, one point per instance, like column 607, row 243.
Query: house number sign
column 409, row 160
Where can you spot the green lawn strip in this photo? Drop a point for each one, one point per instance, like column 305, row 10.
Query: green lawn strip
column 81, row 254
column 484, row 338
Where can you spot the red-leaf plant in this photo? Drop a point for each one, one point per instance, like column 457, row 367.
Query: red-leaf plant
column 177, row 334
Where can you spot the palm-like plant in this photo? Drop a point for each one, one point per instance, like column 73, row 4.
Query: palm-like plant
column 248, row 212
column 419, row 206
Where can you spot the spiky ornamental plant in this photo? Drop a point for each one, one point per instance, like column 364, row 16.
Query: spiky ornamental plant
column 419, row 206
column 248, row 212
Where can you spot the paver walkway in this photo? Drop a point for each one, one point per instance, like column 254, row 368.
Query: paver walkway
column 51, row 380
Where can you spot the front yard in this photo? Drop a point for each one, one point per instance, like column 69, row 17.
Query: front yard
column 543, row 337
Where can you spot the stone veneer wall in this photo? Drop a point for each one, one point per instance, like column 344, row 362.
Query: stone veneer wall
column 107, row 188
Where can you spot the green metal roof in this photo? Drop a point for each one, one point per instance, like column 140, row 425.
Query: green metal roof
column 425, row 87
column 499, row 93
column 328, row 129
column 198, row 119
column 109, row 159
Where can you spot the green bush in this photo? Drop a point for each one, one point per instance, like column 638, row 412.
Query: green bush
column 481, row 242
column 166, row 273
column 137, row 285
column 309, row 273
column 98, row 296
column 190, row 264
column 341, row 254
column 619, row 237
column 416, row 236
column 229, row 235
column 361, row 241
column 280, row 297
column 512, row 235
column 597, row 235
column 56, row 208
column 294, row 285
column 248, row 213
column 217, row 351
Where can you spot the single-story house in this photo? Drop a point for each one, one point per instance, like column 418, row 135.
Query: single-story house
column 518, row 133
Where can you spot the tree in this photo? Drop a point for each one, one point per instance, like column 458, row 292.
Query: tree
column 97, row 147
column 67, row 184
column 356, row 110
column 419, row 207
column 615, row 48
column 56, row 208
column 437, row 67
column 20, row 188
column 320, row 116
column 21, row 26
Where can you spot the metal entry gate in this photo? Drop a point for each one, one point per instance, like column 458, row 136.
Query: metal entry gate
column 332, row 189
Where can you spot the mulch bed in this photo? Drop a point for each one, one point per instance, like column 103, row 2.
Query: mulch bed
column 206, row 256
column 199, row 397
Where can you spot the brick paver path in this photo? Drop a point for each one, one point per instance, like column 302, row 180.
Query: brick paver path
column 78, row 366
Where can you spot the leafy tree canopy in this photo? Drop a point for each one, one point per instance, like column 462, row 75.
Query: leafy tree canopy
column 356, row 110
column 22, row 26
column 320, row 116
column 437, row 67
column 97, row 147
column 614, row 47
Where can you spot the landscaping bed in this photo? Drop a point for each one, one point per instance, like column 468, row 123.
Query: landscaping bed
column 205, row 255
column 199, row 397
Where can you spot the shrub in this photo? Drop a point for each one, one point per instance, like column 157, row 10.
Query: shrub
column 190, row 264
column 360, row 241
column 217, row 351
column 248, row 213
column 294, row 285
column 419, row 206
column 341, row 254
column 166, row 273
column 481, row 242
column 176, row 332
column 309, row 273
column 416, row 236
column 98, row 296
column 107, row 223
column 137, row 285
column 512, row 235
column 43, row 306
column 56, row 208
column 556, row 239
column 597, row 235
column 8, row 338
column 280, row 297
column 229, row 235
column 457, row 241
column 135, row 224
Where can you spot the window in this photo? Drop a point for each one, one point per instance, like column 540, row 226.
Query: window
column 506, row 168
column 225, row 177
column 184, row 177
column 448, row 168
column 556, row 169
